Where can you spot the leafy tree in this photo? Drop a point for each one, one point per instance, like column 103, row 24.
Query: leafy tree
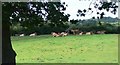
column 29, row 15
column 99, row 5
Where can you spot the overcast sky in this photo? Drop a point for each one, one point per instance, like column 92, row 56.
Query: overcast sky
column 74, row 5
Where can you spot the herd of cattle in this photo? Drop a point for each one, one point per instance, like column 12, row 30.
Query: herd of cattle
column 74, row 32
column 33, row 34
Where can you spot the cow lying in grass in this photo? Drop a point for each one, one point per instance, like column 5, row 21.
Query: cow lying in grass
column 59, row 34
column 64, row 34
column 89, row 33
column 33, row 34
column 100, row 32
column 21, row 35
column 55, row 34
column 81, row 33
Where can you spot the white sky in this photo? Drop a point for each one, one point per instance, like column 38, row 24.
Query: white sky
column 74, row 5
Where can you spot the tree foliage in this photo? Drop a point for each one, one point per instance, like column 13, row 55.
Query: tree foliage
column 35, row 14
column 99, row 5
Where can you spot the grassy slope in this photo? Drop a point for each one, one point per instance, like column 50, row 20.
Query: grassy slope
column 70, row 49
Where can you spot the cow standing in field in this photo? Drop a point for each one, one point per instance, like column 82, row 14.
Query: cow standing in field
column 33, row 34
column 76, row 31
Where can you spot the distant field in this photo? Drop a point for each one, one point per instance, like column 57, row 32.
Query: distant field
column 69, row 49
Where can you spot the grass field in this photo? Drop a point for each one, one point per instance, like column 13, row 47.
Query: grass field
column 69, row 49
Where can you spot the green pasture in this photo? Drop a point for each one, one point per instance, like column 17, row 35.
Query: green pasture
column 101, row 48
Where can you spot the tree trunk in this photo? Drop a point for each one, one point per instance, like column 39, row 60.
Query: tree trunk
column 8, row 54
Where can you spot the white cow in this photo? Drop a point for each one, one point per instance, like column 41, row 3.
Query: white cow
column 81, row 33
column 88, row 33
column 64, row 33
column 21, row 35
column 33, row 34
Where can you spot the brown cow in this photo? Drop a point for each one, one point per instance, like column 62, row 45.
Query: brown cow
column 75, row 31
column 103, row 32
column 100, row 32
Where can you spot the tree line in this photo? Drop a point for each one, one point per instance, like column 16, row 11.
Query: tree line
column 83, row 25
